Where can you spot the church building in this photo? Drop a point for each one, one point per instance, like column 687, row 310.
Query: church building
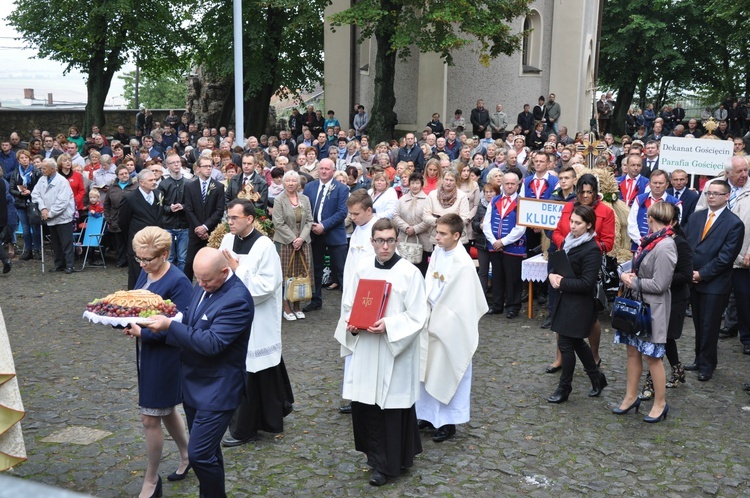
column 558, row 56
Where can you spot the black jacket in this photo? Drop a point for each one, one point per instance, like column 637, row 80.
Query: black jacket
column 259, row 184
column 575, row 309
column 207, row 213
column 171, row 191
column 15, row 180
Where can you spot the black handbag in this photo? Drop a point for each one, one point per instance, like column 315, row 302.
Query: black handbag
column 33, row 213
column 632, row 316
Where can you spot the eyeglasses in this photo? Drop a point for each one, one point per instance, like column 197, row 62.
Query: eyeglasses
column 716, row 194
column 144, row 261
column 232, row 219
column 381, row 242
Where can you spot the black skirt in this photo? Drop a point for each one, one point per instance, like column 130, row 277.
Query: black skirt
column 389, row 438
column 268, row 398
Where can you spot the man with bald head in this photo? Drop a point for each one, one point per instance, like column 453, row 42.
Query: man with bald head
column 328, row 200
column 213, row 338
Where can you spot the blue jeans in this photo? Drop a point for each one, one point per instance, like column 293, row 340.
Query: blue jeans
column 34, row 231
column 178, row 255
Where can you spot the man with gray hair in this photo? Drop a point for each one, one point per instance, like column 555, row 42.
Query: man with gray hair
column 139, row 209
column 202, row 145
column 55, row 199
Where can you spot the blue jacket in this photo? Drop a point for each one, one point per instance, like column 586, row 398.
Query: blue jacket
column 9, row 163
column 213, row 338
column 334, row 210
column 503, row 226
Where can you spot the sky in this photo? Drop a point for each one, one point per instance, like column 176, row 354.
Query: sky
column 20, row 69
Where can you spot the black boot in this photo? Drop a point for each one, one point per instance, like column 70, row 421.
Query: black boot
column 26, row 256
column 560, row 395
column 38, row 255
column 598, row 382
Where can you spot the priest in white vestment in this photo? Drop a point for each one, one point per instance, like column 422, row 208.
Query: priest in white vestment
column 268, row 396
column 359, row 205
column 384, row 371
column 456, row 303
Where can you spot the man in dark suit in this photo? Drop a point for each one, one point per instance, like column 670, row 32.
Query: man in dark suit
column 204, row 207
column 140, row 209
column 480, row 119
column 213, row 338
column 716, row 235
column 689, row 198
column 258, row 181
column 328, row 200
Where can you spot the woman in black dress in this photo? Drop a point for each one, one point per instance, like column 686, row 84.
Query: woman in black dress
column 159, row 376
column 575, row 309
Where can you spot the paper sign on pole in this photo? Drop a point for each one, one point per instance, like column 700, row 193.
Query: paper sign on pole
column 694, row 155
column 538, row 213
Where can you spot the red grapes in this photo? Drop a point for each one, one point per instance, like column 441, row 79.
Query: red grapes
column 104, row 308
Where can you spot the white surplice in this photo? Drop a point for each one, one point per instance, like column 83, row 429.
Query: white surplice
column 451, row 337
column 385, row 367
column 260, row 271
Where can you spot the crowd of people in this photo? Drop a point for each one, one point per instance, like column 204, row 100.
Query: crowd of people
column 414, row 212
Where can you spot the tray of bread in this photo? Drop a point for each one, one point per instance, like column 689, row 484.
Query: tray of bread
column 125, row 307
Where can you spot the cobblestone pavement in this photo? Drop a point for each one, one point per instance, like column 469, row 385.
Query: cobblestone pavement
column 75, row 374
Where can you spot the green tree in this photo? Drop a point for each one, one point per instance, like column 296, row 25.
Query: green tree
column 167, row 91
column 658, row 49
column 282, row 51
column 97, row 37
column 430, row 26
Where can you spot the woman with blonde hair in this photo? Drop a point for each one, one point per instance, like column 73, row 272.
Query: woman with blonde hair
column 384, row 197
column 474, row 195
column 447, row 198
column 432, row 175
column 159, row 375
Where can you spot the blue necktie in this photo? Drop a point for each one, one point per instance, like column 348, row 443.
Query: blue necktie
column 203, row 190
column 732, row 197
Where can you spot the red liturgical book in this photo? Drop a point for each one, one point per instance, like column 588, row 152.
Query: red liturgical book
column 369, row 303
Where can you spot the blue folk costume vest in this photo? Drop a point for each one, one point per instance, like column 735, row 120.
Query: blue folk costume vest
column 501, row 227
column 549, row 185
column 640, row 187
column 642, row 219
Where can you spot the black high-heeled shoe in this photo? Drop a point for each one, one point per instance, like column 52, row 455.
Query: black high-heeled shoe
column 655, row 420
column 636, row 404
column 560, row 395
column 157, row 489
column 176, row 476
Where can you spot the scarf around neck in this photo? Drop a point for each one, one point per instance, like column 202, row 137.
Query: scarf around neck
column 447, row 199
column 571, row 242
column 647, row 245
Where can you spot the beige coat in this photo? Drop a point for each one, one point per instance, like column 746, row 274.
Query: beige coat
column 285, row 227
column 655, row 277
column 410, row 213
column 433, row 210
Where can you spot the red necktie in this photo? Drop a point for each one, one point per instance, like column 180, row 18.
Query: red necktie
column 630, row 190
column 537, row 188
column 506, row 203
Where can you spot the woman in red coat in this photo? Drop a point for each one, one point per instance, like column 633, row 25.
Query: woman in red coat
column 65, row 168
column 588, row 195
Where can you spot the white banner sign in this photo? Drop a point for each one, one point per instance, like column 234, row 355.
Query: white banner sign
column 537, row 213
column 694, row 155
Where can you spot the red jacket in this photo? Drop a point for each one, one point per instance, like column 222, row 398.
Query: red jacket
column 605, row 225
column 79, row 189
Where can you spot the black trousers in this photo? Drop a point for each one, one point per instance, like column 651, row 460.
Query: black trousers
column 119, row 243
column 506, row 281
column 338, row 258
column 741, row 287
column 707, row 311
column 569, row 348
column 61, row 237
column 195, row 244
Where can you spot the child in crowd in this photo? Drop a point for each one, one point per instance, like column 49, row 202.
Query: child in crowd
column 96, row 209
column 276, row 186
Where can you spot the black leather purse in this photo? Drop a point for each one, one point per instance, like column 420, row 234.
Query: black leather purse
column 632, row 316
